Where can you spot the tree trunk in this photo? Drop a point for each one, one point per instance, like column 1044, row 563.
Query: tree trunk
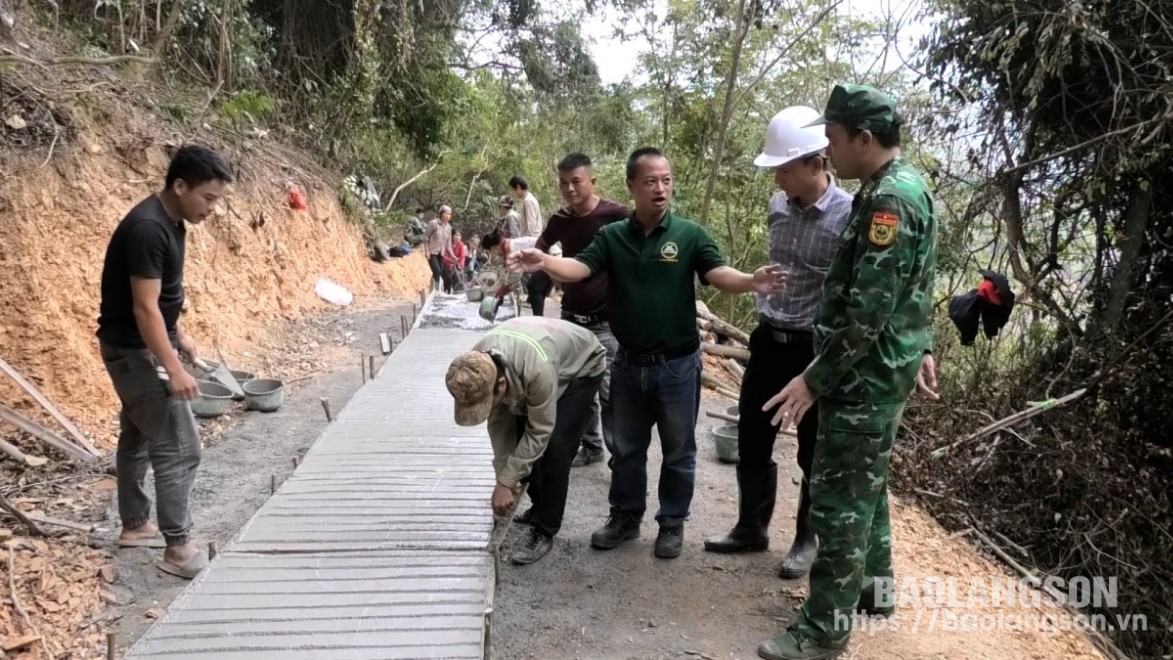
column 727, row 109
column 163, row 39
column 1136, row 220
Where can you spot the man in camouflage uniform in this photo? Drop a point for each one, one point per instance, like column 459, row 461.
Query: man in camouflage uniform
column 872, row 341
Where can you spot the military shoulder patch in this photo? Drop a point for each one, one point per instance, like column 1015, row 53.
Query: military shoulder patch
column 883, row 231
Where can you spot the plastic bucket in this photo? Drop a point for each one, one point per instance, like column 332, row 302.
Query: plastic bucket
column 725, row 437
column 213, row 401
column 264, row 394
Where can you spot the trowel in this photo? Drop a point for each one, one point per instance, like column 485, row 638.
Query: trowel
column 221, row 374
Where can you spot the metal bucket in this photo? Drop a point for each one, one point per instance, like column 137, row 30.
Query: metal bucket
column 242, row 377
column 725, row 437
column 213, row 401
column 475, row 294
column 264, row 394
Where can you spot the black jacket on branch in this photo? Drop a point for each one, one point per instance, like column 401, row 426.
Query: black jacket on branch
column 991, row 302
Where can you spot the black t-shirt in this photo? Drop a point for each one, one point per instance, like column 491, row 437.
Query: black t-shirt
column 149, row 244
column 590, row 295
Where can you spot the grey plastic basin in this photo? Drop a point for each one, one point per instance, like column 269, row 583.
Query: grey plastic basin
column 263, row 394
column 213, row 401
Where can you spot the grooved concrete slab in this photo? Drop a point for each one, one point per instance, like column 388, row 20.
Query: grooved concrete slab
column 376, row 547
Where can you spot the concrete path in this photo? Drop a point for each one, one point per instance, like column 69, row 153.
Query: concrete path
column 376, row 547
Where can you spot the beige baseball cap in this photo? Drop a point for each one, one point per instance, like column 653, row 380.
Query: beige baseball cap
column 470, row 381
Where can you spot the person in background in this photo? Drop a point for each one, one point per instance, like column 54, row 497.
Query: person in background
column 454, row 264
column 439, row 240
column 507, row 219
column 472, row 262
column 539, row 284
column 141, row 340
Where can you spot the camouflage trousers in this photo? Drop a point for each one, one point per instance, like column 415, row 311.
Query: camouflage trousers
column 849, row 513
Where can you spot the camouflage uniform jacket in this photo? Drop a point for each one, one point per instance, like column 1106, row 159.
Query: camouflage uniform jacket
column 875, row 316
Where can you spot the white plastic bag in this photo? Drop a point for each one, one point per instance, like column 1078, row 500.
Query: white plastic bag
column 335, row 294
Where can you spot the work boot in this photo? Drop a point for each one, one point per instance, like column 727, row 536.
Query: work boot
column 618, row 529
column 670, row 541
column 805, row 546
column 757, row 490
column 791, row 645
column 586, row 456
column 534, row 546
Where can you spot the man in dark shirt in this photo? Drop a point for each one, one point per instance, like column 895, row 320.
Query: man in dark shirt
column 652, row 261
column 140, row 339
column 585, row 303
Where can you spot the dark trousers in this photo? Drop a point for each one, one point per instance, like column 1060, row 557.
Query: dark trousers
column 156, row 430
column 550, row 479
column 538, row 288
column 771, row 365
column 435, row 262
column 666, row 394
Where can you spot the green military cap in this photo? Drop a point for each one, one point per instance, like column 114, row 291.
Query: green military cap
column 860, row 106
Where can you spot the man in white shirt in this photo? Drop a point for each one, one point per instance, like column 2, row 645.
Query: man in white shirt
column 531, row 211
column 539, row 283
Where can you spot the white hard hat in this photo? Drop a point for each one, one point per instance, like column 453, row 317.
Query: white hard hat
column 790, row 136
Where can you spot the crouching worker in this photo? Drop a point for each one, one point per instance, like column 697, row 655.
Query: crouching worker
column 533, row 379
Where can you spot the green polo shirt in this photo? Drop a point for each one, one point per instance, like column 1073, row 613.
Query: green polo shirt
column 651, row 291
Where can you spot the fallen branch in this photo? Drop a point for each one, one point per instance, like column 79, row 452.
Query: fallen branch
column 40, row 432
column 13, row 453
column 733, row 373
column 1103, row 643
column 62, row 61
column 64, row 421
column 1035, row 408
column 20, row 515
column 725, row 351
column 735, row 367
column 16, row 604
column 721, row 416
column 722, row 327
column 57, row 522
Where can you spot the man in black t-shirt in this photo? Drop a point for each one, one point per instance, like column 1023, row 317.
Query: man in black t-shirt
column 585, row 303
column 141, row 339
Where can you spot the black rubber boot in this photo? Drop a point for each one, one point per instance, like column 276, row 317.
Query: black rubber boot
column 802, row 552
column 757, row 490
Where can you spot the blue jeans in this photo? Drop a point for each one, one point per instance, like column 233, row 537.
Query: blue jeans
column 647, row 390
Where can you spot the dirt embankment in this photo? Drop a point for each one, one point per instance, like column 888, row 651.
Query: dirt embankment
column 254, row 262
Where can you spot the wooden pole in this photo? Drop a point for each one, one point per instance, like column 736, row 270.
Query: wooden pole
column 371, row 366
column 722, row 327
column 50, row 408
column 326, row 407
column 41, row 433
column 725, row 351
column 362, row 367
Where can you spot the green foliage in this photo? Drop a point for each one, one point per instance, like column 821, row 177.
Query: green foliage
column 247, row 106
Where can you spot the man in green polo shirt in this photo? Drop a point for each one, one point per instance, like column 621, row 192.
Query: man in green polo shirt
column 652, row 260
column 872, row 337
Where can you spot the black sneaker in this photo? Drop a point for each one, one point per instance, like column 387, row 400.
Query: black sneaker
column 618, row 529
column 525, row 518
column 586, row 457
column 534, row 545
column 670, row 541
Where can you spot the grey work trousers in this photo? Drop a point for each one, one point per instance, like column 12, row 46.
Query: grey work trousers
column 598, row 433
column 156, row 429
